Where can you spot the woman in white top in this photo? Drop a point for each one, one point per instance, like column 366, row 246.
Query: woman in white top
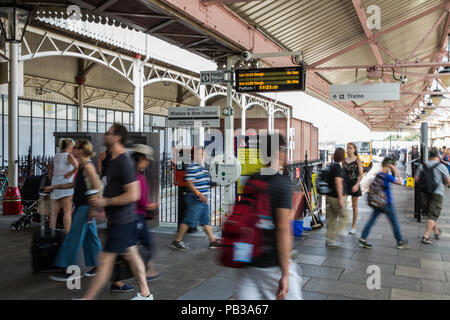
column 62, row 170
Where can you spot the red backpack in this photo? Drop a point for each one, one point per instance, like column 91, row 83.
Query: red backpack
column 251, row 216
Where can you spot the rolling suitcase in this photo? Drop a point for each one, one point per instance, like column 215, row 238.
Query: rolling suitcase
column 44, row 247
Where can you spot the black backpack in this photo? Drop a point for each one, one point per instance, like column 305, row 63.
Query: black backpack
column 323, row 181
column 426, row 182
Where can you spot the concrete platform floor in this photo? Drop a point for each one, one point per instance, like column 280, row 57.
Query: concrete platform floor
column 422, row 272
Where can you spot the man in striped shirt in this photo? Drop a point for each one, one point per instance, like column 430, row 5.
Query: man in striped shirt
column 197, row 210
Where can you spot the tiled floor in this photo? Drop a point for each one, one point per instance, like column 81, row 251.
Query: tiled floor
column 422, row 272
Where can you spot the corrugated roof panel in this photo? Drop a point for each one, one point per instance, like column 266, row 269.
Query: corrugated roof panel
column 316, row 27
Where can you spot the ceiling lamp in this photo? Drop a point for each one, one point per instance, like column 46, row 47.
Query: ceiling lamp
column 444, row 74
column 13, row 22
column 437, row 98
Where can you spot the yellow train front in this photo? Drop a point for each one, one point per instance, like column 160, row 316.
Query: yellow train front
column 365, row 154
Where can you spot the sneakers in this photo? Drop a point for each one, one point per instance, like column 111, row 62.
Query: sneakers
column 124, row 288
column 426, row 240
column 332, row 243
column 403, row 245
column 179, row 245
column 63, row 277
column 438, row 236
column 215, row 245
column 352, row 231
column 364, row 244
column 141, row 297
column 91, row 273
column 155, row 277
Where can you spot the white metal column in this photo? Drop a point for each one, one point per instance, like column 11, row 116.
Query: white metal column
column 138, row 95
column 199, row 139
column 81, row 107
column 13, row 90
column 270, row 119
column 288, row 134
column 243, row 114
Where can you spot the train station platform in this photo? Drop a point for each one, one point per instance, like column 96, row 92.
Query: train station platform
column 421, row 272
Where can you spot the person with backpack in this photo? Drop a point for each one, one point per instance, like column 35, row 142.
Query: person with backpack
column 337, row 215
column 430, row 179
column 380, row 199
column 257, row 237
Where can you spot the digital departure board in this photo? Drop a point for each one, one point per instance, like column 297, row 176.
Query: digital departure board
column 270, row 79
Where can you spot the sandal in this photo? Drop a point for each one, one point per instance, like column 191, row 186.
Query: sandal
column 426, row 240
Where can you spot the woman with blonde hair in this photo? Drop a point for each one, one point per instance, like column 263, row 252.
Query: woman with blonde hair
column 83, row 231
column 354, row 173
column 61, row 171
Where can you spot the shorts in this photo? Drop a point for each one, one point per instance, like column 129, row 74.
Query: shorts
column 61, row 193
column 196, row 211
column 433, row 206
column 261, row 283
column 350, row 185
column 120, row 237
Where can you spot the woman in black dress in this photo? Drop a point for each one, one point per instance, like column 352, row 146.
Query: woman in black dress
column 353, row 168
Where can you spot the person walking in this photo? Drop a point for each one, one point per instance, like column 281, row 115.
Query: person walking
column 197, row 210
column 337, row 215
column 143, row 155
column 354, row 173
column 434, row 201
column 119, row 200
column 386, row 166
column 61, row 171
column 272, row 275
column 83, row 230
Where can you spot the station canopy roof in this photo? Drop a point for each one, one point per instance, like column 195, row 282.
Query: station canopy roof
column 338, row 46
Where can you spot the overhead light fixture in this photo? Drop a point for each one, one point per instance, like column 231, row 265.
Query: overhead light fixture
column 437, row 98
column 444, row 75
column 13, row 22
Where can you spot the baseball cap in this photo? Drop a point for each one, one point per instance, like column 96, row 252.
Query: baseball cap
column 147, row 151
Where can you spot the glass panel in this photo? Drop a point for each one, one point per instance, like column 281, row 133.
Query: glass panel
column 126, row 117
column 50, row 110
column 5, row 103
column 92, row 126
column 101, row 127
column 38, row 136
column 146, row 128
column 1, row 109
column 61, row 111
column 161, row 142
column 72, row 112
column 92, row 114
column 85, row 114
column 38, row 109
column 109, row 116
column 118, row 116
column 101, row 115
column 24, row 136
column 24, row 108
column 84, row 126
column 72, row 126
column 146, row 120
column 108, row 125
column 49, row 138
column 61, row 126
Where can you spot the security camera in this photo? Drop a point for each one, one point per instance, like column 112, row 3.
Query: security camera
column 404, row 80
column 246, row 56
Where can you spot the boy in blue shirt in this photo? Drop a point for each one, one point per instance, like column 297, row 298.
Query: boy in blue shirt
column 388, row 210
